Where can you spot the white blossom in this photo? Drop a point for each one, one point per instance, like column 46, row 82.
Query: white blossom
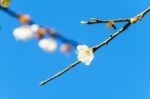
column 48, row 44
column 23, row 33
column 35, row 27
column 85, row 54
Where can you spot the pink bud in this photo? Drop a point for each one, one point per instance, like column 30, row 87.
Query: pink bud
column 65, row 48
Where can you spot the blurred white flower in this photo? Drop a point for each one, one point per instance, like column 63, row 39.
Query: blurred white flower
column 48, row 44
column 35, row 27
column 25, row 32
column 85, row 54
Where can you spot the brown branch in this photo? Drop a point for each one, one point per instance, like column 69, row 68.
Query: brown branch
column 142, row 14
column 95, row 48
column 60, row 73
column 95, row 21
column 53, row 34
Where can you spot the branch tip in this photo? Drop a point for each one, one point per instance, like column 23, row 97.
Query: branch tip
column 84, row 22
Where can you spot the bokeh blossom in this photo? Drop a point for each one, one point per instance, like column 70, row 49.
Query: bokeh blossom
column 25, row 32
column 48, row 44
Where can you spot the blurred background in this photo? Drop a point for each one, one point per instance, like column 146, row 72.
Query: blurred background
column 119, row 70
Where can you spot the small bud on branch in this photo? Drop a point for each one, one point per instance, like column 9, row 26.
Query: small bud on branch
column 111, row 24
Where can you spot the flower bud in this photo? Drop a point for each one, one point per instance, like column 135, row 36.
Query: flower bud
column 65, row 48
column 24, row 18
column 5, row 3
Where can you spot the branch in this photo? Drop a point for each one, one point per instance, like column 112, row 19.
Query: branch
column 95, row 48
column 56, row 34
column 95, row 21
column 60, row 73
column 142, row 14
column 105, row 42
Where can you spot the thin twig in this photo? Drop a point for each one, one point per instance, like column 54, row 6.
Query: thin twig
column 95, row 48
column 142, row 14
column 95, row 21
column 60, row 73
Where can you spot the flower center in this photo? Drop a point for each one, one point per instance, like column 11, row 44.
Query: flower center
column 87, row 52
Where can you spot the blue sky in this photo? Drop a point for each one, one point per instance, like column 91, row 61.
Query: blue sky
column 120, row 70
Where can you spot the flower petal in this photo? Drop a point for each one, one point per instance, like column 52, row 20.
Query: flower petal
column 82, row 47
